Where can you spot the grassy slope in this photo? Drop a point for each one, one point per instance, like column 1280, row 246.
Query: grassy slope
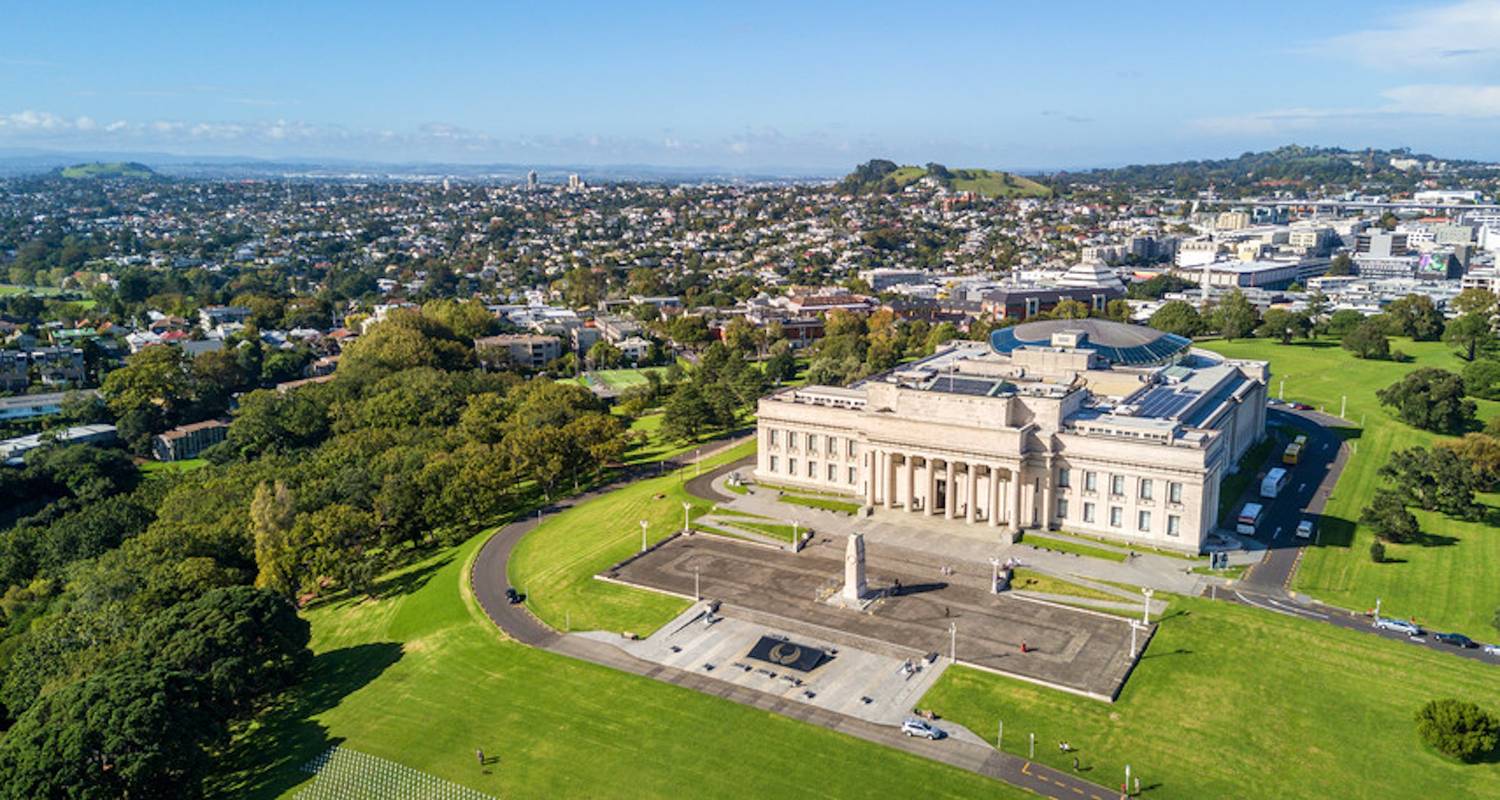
column 555, row 563
column 1231, row 701
column 422, row 678
column 1448, row 586
column 988, row 183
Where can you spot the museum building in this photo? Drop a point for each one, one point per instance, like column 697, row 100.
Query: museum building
column 1087, row 425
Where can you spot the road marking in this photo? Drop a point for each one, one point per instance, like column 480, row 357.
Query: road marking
column 1076, row 790
column 1279, row 608
column 1026, row 768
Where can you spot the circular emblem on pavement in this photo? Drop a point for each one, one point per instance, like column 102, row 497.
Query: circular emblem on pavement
column 785, row 653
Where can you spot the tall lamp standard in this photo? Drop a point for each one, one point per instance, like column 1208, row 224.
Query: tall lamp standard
column 643, row 536
column 1146, row 611
column 686, row 509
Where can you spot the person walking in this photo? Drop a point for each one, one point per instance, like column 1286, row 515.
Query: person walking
column 479, row 754
column 1075, row 763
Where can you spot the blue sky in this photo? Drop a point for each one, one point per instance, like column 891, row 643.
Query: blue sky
column 826, row 85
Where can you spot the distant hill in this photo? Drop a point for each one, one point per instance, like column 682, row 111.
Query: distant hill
column 113, row 169
column 880, row 176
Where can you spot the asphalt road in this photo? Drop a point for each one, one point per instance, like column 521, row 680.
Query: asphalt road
column 488, row 581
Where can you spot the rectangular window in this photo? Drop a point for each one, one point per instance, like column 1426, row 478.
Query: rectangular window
column 853, row 475
column 1145, row 488
column 773, row 463
column 775, row 437
column 1117, row 485
column 833, row 446
column 812, row 469
column 833, row 473
column 851, row 448
column 1116, row 516
column 1088, row 512
column 1174, row 525
column 1143, row 521
column 791, row 466
column 812, row 443
column 1091, row 481
column 1174, row 492
column 1062, row 508
column 1064, row 478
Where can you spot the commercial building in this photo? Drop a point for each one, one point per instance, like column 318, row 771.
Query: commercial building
column 13, row 451
column 1090, row 283
column 1088, row 425
column 524, row 350
column 187, row 441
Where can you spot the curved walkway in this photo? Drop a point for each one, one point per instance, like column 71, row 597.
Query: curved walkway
column 488, row 580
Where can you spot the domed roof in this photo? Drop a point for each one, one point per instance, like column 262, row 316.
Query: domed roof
column 1117, row 342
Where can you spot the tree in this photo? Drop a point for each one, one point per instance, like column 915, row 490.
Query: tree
column 1367, row 340
column 1179, row 317
column 1236, row 316
column 335, row 542
column 406, row 339
column 128, row 731
column 1470, row 333
column 1431, row 399
column 741, row 336
column 1117, row 310
column 1482, row 379
column 1481, row 451
column 1343, row 321
column 272, row 514
column 156, row 377
column 604, row 355
column 686, row 415
column 1070, row 309
column 941, row 334
column 1389, row 518
column 1342, row 264
column 1458, row 729
column 781, row 365
column 1280, row 324
column 83, row 471
column 1317, row 307
column 1434, row 480
column 268, row 421
column 1414, row 315
column 1377, row 551
column 1474, row 301
column 243, row 644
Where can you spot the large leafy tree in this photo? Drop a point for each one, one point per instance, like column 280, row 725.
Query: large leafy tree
column 1431, row 399
column 1414, row 315
column 1435, row 479
column 1282, row 325
column 1388, row 516
column 1459, row 729
column 1179, row 317
column 1366, row 340
column 158, row 377
column 1236, row 316
column 1471, row 334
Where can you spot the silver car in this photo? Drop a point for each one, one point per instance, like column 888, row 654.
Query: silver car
column 1398, row 625
column 1492, row 649
column 921, row 727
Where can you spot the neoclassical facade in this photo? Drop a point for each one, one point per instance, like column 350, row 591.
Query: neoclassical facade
column 1082, row 425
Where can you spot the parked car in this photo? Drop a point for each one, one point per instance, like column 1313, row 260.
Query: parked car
column 921, row 727
column 512, row 596
column 1456, row 640
column 1398, row 625
column 1300, row 406
column 1492, row 649
column 1305, row 529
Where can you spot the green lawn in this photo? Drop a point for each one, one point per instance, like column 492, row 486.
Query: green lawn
column 1452, row 581
column 1034, row 581
column 150, row 468
column 555, row 564
column 1231, row 701
column 421, row 677
column 655, row 447
column 1070, row 546
column 824, row 503
column 619, row 379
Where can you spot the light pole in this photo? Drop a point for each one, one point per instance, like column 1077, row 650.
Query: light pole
column 995, row 575
column 794, row 535
column 1281, row 393
column 1000, row 736
column 1377, row 608
column 1134, row 626
column 1127, row 776
column 953, row 642
column 1343, row 405
column 697, row 591
column 1146, row 610
column 643, row 536
column 686, row 509
column 1033, row 747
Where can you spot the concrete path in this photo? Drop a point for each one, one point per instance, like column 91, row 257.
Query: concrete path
column 488, row 580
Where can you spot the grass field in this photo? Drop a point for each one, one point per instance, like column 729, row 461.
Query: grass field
column 1448, row 582
column 150, row 468
column 984, row 182
column 1230, row 701
column 420, row 677
column 1070, row 546
column 824, row 503
column 1033, row 581
column 556, row 563
column 619, row 379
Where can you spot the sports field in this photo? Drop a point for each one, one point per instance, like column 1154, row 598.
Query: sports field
column 420, row 677
column 1231, row 701
column 1447, row 582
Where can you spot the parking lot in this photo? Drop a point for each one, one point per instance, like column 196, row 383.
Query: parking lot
column 1078, row 651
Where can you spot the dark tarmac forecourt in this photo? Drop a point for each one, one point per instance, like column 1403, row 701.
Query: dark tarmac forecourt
column 1073, row 650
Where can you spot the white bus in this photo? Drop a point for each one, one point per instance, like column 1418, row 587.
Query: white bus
column 1274, row 482
column 1249, row 519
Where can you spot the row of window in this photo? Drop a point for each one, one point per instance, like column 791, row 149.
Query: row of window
column 809, row 442
column 1117, row 517
column 1145, row 487
column 831, row 471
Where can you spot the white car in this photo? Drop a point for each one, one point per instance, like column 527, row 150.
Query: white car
column 1305, row 529
column 1492, row 649
column 921, row 727
column 1398, row 625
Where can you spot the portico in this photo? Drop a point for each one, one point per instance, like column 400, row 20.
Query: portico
column 950, row 485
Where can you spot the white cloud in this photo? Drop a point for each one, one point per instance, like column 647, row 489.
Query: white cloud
column 1403, row 103
column 1465, row 33
column 1444, row 100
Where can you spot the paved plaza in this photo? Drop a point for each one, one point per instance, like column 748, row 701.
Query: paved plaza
column 1074, row 650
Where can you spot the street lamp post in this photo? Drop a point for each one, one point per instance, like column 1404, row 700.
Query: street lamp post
column 1146, row 610
column 643, row 536
column 953, row 642
column 1033, row 747
column 686, row 509
column 1000, row 736
column 995, row 575
column 697, row 590
column 1134, row 626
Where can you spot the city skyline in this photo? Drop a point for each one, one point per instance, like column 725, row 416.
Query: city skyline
column 822, row 88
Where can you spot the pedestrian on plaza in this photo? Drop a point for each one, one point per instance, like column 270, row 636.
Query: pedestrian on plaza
column 479, row 754
column 1075, row 763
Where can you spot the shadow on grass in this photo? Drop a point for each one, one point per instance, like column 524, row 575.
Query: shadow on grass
column 264, row 759
column 409, row 581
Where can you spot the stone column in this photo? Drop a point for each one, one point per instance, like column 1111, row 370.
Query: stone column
column 973, row 501
column 911, row 483
column 994, row 496
column 951, row 498
column 870, row 459
column 1046, row 517
column 1015, row 500
column 887, row 474
column 854, row 569
column 931, row 507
